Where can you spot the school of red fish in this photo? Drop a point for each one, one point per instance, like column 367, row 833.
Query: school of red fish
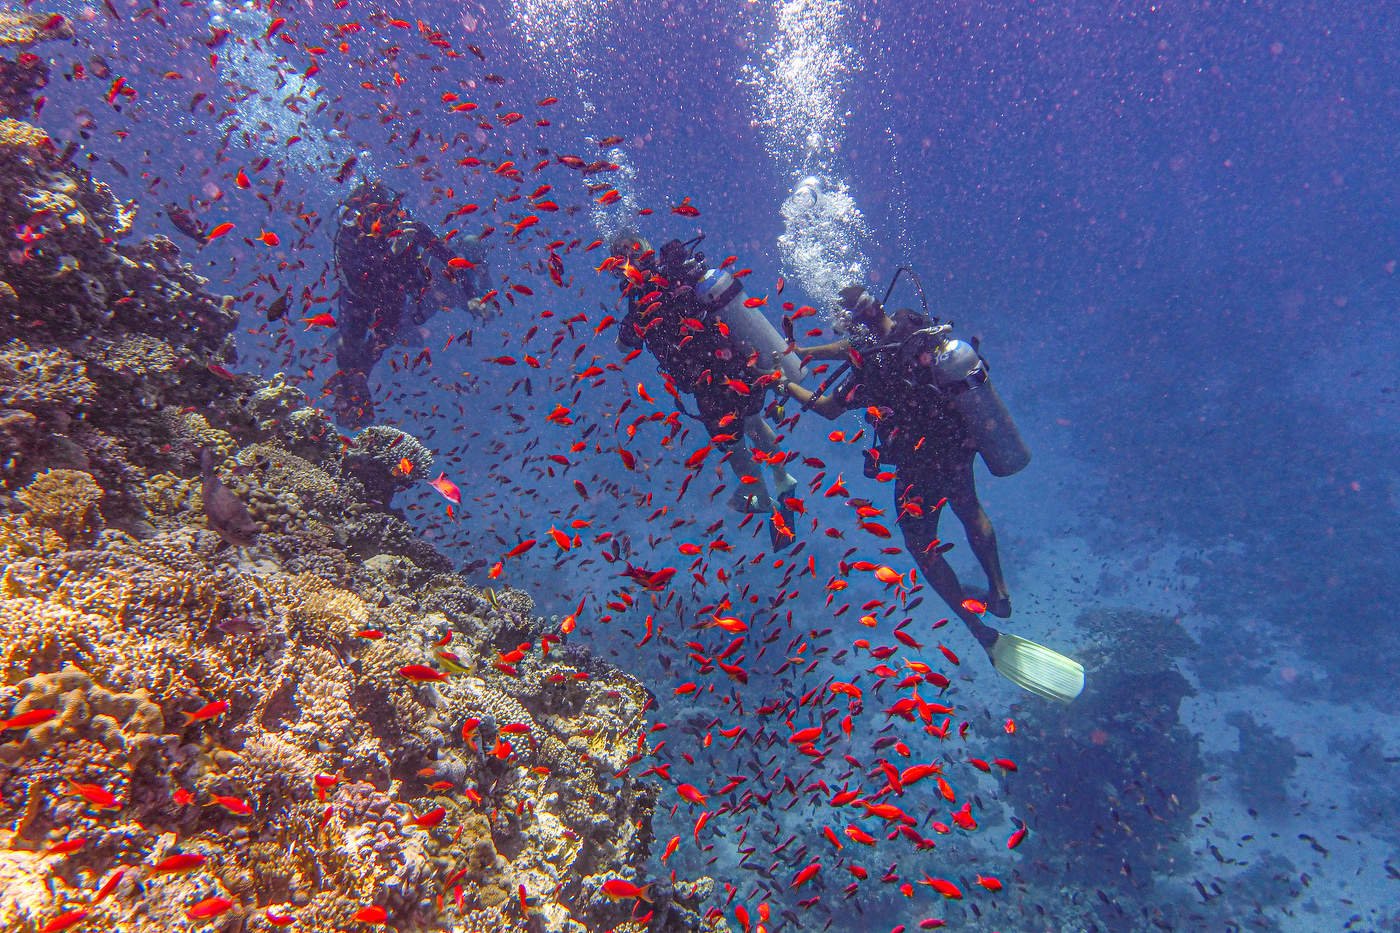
column 815, row 761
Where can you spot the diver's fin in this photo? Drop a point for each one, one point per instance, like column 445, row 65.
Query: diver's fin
column 1036, row 668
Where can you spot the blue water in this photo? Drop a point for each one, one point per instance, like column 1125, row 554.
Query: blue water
column 1175, row 228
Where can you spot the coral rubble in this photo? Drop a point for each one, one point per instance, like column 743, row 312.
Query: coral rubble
column 246, row 706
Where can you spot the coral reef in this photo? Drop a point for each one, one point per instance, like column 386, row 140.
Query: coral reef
column 377, row 459
column 180, row 695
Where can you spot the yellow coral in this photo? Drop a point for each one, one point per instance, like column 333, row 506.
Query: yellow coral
column 140, row 354
column 123, row 722
column 16, row 134
column 42, row 379
column 64, row 500
column 28, row 28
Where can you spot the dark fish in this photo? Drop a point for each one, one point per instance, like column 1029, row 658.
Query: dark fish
column 225, row 512
column 346, row 169
column 186, row 223
column 278, row 308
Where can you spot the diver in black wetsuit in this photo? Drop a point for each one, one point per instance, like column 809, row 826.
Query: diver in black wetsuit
column 705, row 358
column 395, row 274
column 926, row 435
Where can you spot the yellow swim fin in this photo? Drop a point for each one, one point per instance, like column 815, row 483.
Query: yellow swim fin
column 1036, row 668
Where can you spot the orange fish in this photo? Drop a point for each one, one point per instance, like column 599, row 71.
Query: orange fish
column 447, row 489
column 99, row 797
column 374, row 914
column 691, row 793
column 323, row 319
column 405, row 466
column 806, row 875
column 209, row 907
column 28, row 719
column 616, row 889
column 179, row 863
column 64, row 921
column 232, row 804
column 270, row 238
column 430, row 819
column 207, row 711
column 217, row 232
column 421, row 673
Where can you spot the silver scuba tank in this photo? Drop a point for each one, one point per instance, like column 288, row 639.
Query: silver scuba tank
column 724, row 296
column 958, row 370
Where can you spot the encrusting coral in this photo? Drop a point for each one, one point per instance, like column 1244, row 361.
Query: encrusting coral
column 170, row 693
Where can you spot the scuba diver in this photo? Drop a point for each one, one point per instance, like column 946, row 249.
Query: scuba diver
column 708, row 344
column 934, row 408
column 387, row 260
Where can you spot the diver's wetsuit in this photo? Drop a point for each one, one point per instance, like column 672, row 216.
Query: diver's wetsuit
column 920, row 434
column 691, row 350
column 382, row 271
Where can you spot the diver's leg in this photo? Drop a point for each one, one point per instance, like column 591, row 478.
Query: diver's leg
column 354, row 359
column 961, row 490
column 920, row 537
column 752, row 493
column 763, row 438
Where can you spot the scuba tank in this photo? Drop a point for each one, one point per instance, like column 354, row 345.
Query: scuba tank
column 959, row 372
column 723, row 297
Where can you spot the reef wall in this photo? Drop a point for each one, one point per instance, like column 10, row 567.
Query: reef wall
column 171, row 689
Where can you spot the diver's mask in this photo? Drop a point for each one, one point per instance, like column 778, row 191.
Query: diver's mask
column 860, row 305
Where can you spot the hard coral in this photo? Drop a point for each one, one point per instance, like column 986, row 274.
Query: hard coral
column 43, row 381
column 66, row 501
column 376, row 458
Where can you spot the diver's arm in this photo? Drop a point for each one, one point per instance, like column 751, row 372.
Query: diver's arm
column 828, row 406
column 836, row 350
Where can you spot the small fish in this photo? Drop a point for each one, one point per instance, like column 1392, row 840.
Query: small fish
column 232, row 804
column 209, row 907
column 618, row 889
column 218, row 231
column 28, row 719
column 64, row 921
column 374, row 914
column 421, row 673
column 179, row 863
column 277, row 309
column 447, row 489
column 206, row 712
column 430, row 819
column 240, row 625
column 100, row 797
column 324, row 319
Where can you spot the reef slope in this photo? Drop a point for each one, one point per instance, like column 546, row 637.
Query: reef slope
column 244, row 702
